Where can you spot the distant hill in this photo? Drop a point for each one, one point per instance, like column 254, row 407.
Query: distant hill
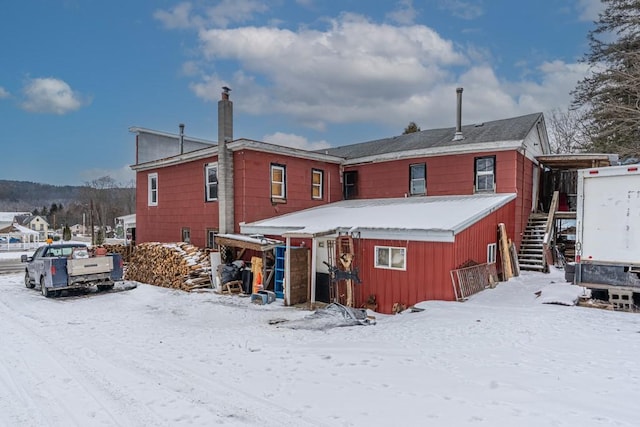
column 72, row 202
column 27, row 196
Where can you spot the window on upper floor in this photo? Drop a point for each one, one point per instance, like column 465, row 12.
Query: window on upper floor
column 152, row 191
column 390, row 258
column 317, row 180
column 350, row 185
column 485, row 174
column 418, row 179
column 278, row 183
column 211, row 182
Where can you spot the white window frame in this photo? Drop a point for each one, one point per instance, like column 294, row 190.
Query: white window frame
column 211, row 233
column 283, row 194
column 208, row 184
column 492, row 250
column 480, row 173
column 423, row 180
column 319, row 186
column 389, row 264
column 152, row 194
column 186, row 234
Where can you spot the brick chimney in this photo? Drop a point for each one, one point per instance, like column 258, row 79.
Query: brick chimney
column 225, row 164
column 458, row 135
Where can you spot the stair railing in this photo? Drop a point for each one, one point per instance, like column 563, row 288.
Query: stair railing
column 548, row 232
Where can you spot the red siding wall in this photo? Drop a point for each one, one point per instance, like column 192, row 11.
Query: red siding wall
column 181, row 203
column 252, row 187
column 181, row 195
column 427, row 276
column 446, row 175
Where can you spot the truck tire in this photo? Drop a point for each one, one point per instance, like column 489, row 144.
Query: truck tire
column 105, row 287
column 27, row 282
column 44, row 289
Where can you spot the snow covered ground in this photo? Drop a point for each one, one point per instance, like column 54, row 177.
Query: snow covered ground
column 158, row 357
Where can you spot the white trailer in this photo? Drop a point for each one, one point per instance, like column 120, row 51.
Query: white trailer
column 608, row 231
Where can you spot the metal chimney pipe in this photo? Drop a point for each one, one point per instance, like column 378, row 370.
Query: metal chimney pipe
column 458, row 135
column 181, row 138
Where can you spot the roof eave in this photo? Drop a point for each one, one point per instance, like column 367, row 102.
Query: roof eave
column 438, row 151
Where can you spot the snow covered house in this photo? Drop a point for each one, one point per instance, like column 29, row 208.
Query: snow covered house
column 197, row 191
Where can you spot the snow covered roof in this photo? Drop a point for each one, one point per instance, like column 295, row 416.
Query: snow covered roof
column 18, row 229
column 9, row 216
column 431, row 218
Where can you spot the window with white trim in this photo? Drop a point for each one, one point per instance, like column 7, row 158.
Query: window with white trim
column 317, row 179
column 485, row 174
column 418, row 179
column 186, row 234
column 211, row 182
column 152, row 189
column 211, row 238
column 390, row 257
column 492, row 249
column 278, row 182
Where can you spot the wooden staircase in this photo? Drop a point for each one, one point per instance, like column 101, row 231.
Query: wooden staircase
column 532, row 256
column 535, row 247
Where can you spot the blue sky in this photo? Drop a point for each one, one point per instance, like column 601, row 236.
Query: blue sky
column 75, row 75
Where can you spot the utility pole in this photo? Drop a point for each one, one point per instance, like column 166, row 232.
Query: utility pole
column 93, row 233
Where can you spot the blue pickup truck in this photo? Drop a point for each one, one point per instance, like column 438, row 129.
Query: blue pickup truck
column 57, row 267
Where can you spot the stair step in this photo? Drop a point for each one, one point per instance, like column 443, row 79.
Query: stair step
column 531, row 267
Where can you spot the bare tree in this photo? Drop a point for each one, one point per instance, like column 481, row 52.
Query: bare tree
column 567, row 134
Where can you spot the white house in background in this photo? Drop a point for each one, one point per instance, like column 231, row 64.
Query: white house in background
column 35, row 223
column 15, row 237
column 77, row 229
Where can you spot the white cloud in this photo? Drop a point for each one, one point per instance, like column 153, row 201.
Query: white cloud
column 351, row 70
column 178, row 17
column 588, row 10
column 404, row 14
column 295, row 141
column 224, row 13
column 4, row 93
column 463, row 9
column 50, row 95
column 356, row 70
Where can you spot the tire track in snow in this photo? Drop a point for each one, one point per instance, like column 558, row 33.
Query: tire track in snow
column 56, row 376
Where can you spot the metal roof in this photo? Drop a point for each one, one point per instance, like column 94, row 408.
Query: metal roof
column 428, row 218
column 512, row 129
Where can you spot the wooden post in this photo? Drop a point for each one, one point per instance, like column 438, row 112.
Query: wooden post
column 505, row 255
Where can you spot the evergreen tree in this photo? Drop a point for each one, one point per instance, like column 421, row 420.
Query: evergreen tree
column 411, row 128
column 610, row 96
column 66, row 233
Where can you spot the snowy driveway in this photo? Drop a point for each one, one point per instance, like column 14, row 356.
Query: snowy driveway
column 158, row 357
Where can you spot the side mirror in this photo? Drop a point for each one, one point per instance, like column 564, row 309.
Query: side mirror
column 23, row 258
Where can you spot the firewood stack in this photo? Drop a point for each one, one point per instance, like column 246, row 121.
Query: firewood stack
column 170, row 265
column 124, row 251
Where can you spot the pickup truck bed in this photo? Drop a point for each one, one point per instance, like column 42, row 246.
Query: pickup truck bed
column 54, row 269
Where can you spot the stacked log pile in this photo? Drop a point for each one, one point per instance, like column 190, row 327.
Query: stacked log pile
column 170, row 265
column 124, row 251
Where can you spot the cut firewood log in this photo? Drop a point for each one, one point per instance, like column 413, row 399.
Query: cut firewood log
column 171, row 265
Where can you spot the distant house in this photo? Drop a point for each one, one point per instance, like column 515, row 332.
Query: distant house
column 241, row 185
column 35, row 223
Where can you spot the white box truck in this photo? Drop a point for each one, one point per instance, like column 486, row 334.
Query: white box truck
column 608, row 230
